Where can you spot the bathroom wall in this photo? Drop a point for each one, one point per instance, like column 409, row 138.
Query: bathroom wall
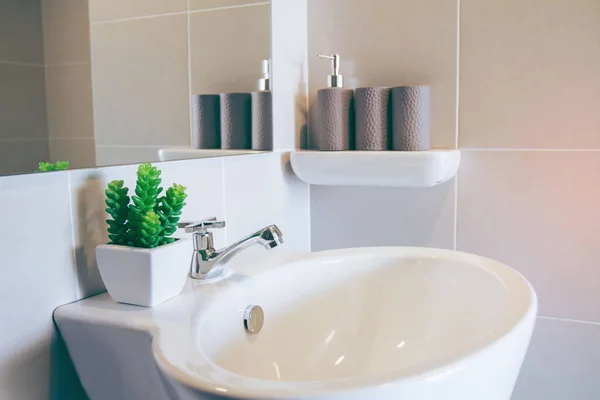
column 516, row 87
column 50, row 223
column 70, row 116
column 149, row 57
column 23, row 124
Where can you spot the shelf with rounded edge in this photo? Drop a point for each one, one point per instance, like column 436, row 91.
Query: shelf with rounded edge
column 376, row 168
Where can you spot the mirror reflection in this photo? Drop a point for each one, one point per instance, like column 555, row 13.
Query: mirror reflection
column 105, row 82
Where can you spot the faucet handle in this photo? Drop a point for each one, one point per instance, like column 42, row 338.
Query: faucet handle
column 202, row 225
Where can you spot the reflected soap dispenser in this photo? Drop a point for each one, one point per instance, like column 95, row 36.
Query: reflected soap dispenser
column 335, row 111
column 262, row 111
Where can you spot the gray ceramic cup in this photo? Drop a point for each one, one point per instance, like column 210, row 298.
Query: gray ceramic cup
column 236, row 121
column 411, row 114
column 206, row 124
column 373, row 120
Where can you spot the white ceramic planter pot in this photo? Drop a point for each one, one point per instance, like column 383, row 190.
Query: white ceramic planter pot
column 144, row 277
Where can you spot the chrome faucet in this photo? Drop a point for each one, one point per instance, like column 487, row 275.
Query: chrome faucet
column 207, row 262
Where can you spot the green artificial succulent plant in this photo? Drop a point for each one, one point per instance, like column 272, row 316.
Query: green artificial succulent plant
column 149, row 220
column 117, row 203
column 48, row 166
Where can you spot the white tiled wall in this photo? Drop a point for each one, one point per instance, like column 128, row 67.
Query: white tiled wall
column 51, row 224
column 529, row 129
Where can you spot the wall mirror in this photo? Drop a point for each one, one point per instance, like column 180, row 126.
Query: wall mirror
column 107, row 82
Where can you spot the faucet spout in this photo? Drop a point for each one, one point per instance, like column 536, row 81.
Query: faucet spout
column 207, row 262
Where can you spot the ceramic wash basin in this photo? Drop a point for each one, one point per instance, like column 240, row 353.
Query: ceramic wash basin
column 372, row 323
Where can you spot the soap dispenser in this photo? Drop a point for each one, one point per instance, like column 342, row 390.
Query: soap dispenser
column 262, row 111
column 335, row 111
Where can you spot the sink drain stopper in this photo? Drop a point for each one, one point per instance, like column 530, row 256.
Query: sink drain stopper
column 254, row 317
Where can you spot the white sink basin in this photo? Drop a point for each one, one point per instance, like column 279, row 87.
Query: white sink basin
column 374, row 323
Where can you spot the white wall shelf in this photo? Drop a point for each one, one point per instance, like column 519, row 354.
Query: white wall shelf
column 376, row 168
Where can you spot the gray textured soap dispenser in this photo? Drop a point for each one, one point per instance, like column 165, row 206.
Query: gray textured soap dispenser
column 335, row 111
column 262, row 111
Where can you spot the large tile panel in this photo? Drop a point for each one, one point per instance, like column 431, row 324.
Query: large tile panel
column 37, row 275
column 140, row 82
column 69, row 101
column 66, row 31
column 529, row 74
column 22, row 102
column 389, row 43
column 21, row 31
column 357, row 217
column 22, row 156
column 227, row 47
column 261, row 190
column 563, row 362
column 538, row 213
column 80, row 153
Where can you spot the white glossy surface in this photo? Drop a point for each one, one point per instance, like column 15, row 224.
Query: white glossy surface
column 345, row 324
column 144, row 277
column 376, row 168
column 183, row 153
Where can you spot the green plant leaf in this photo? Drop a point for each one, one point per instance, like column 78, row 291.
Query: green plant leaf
column 117, row 202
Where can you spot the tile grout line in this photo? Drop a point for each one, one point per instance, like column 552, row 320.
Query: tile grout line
column 68, row 64
column 224, row 191
column 141, row 17
column 189, row 65
column 229, row 7
column 455, row 222
column 21, row 64
column 73, row 244
column 457, row 124
column 457, row 111
column 575, row 321
column 174, row 13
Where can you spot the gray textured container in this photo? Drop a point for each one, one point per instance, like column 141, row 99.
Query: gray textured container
column 262, row 120
column 411, row 109
column 236, row 121
column 206, row 124
column 335, row 119
column 373, row 120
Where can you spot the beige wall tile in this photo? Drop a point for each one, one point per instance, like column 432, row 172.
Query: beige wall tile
column 22, row 156
column 529, row 74
column 21, row 31
column 538, row 213
column 227, row 47
column 562, row 362
column 22, row 102
column 140, row 82
column 389, row 43
column 69, row 101
column 103, row 10
column 80, row 153
column 203, row 4
column 390, row 216
column 66, row 31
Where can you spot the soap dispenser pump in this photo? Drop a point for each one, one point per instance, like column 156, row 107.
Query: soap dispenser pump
column 262, row 111
column 335, row 79
column 335, row 111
